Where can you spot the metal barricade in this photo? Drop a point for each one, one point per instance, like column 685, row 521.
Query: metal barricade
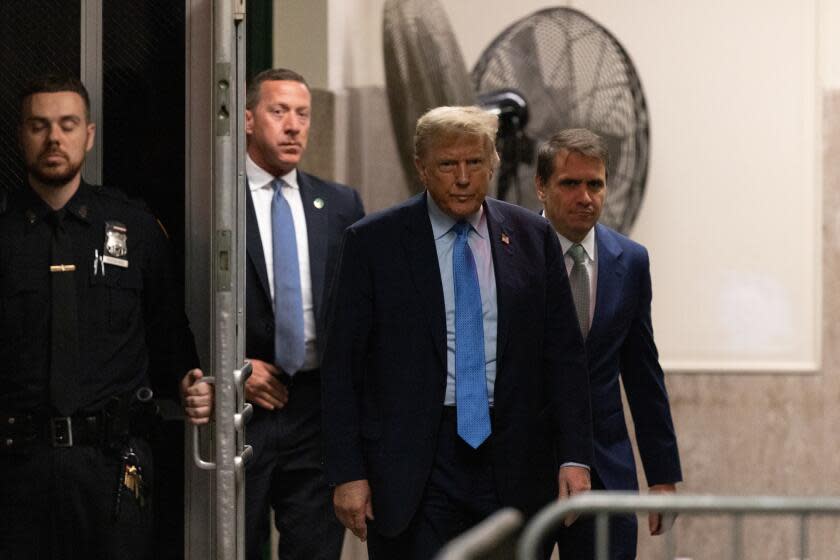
column 492, row 539
column 603, row 504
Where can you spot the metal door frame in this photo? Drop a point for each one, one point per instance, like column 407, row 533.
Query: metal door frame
column 90, row 73
column 199, row 493
column 215, row 270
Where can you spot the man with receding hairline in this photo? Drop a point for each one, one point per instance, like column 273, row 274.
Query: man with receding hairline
column 454, row 377
column 295, row 222
column 610, row 277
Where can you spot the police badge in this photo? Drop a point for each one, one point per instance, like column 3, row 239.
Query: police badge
column 116, row 245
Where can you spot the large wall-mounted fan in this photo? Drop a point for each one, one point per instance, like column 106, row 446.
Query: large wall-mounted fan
column 424, row 68
column 554, row 69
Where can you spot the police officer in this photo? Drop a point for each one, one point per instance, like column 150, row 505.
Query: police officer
column 88, row 323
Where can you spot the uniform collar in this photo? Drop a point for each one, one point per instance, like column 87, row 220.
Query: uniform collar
column 35, row 209
column 79, row 204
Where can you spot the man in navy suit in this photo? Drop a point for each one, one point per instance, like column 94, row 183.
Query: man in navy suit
column 612, row 275
column 454, row 376
column 294, row 227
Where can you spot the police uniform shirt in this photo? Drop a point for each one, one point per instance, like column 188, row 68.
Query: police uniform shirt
column 130, row 326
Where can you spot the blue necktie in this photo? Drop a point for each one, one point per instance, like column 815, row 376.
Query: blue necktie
column 288, row 303
column 470, row 380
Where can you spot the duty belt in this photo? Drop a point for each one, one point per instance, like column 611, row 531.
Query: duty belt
column 21, row 430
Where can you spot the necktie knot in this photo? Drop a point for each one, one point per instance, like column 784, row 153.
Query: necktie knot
column 461, row 229
column 577, row 253
column 55, row 218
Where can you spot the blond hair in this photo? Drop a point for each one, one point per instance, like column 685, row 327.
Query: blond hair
column 441, row 122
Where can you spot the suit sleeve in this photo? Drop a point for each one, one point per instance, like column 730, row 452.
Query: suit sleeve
column 343, row 366
column 567, row 376
column 644, row 384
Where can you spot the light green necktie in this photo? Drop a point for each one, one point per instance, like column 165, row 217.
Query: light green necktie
column 579, row 280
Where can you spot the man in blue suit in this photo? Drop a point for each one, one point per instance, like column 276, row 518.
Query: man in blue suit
column 454, row 376
column 610, row 279
column 294, row 226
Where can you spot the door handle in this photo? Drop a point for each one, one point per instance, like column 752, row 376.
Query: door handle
column 246, row 410
column 243, row 416
column 199, row 462
column 240, row 376
column 240, row 418
column 240, row 461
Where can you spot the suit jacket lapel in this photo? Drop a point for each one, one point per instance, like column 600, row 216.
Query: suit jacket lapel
column 316, row 232
column 610, row 270
column 422, row 259
column 253, row 244
column 502, row 241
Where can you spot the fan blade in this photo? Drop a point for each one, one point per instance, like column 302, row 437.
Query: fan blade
column 573, row 73
column 424, row 69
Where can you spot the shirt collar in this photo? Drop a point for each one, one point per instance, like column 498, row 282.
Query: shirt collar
column 259, row 178
column 588, row 244
column 33, row 207
column 80, row 205
column 442, row 223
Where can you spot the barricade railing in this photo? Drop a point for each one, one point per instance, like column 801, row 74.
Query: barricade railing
column 602, row 504
column 492, row 539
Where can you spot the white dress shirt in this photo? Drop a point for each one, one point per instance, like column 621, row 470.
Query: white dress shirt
column 262, row 191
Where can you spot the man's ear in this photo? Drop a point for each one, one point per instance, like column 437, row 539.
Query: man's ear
column 91, row 130
column 540, row 188
column 421, row 170
column 249, row 121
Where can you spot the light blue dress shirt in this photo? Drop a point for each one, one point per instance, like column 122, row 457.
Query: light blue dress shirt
column 479, row 241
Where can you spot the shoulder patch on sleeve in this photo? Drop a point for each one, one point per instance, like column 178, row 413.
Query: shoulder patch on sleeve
column 163, row 229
